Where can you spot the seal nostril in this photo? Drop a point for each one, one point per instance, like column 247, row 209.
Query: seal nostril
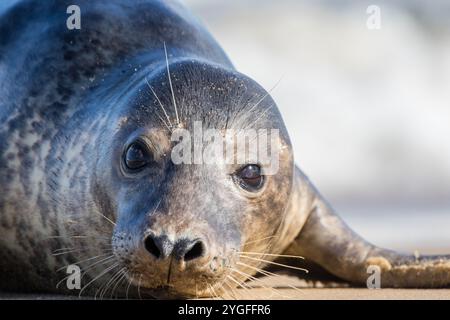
column 151, row 247
column 196, row 251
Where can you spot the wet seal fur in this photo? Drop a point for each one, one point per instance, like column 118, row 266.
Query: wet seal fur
column 71, row 100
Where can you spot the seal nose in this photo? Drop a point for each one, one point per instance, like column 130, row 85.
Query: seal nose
column 187, row 250
column 160, row 247
column 183, row 249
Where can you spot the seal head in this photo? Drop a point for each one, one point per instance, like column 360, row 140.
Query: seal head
column 180, row 227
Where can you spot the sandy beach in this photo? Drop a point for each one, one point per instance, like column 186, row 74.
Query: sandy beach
column 292, row 288
column 304, row 294
column 357, row 294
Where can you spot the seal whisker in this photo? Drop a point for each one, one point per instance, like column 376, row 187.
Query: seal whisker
column 109, row 220
column 264, row 96
column 248, row 112
column 211, row 289
column 115, row 265
column 262, row 284
column 275, row 263
column 271, row 254
column 268, row 273
column 75, row 250
column 129, row 284
column 83, row 261
column 211, row 292
column 87, row 268
column 159, row 102
column 241, row 106
column 164, row 122
column 259, row 117
column 231, row 291
column 119, row 281
column 99, row 290
column 240, row 284
column 69, row 249
column 105, row 260
column 55, row 254
column 170, row 83
column 227, row 291
column 111, row 281
column 64, row 249
column 253, row 241
column 76, row 236
column 104, row 287
column 139, row 287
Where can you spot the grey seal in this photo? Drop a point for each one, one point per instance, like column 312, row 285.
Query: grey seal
column 87, row 178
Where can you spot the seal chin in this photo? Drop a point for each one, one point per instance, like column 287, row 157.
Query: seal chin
column 170, row 292
column 183, row 286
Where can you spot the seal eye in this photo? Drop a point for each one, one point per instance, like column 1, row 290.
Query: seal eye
column 137, row 156
column 250, row 177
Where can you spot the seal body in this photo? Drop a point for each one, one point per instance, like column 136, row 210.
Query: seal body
column 87, row 176
column 72, row 100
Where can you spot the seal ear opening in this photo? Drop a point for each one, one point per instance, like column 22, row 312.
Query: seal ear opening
column 329, row 242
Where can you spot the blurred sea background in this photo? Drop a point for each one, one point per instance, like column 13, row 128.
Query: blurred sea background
column 368, row 111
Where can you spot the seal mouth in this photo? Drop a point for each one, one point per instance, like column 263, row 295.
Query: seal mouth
column 171, row 292
column 154, row 287
column 167, row 294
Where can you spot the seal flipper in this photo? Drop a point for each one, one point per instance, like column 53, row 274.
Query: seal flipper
column 328, row 241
